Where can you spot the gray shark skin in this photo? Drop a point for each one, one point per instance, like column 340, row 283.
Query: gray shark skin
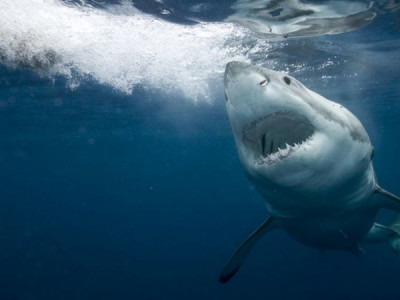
column 311, row 160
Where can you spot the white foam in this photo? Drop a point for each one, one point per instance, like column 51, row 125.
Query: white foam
column 121, row 46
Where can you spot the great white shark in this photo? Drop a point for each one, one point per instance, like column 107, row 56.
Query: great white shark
column 310, row 158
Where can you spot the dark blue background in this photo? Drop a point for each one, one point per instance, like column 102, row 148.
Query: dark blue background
column 106, row 196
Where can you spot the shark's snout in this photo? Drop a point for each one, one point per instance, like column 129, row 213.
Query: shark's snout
column 247, row 73
column 234, row 68
column 239, row 76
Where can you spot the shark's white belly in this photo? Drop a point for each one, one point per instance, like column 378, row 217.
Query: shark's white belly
column 315, row 197
column 335, row 231
column 324, row 217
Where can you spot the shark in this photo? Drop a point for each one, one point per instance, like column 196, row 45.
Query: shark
column 311, row 160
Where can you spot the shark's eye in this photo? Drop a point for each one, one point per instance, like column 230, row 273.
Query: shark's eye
column 287, row 80
column 264, row 82
column 372, row 153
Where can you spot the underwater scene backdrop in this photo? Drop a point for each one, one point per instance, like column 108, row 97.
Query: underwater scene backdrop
column 119, row 177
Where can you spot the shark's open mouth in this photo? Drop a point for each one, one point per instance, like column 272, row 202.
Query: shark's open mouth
column 276, row 136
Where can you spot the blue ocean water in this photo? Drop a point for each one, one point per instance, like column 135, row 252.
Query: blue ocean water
column 119, row 173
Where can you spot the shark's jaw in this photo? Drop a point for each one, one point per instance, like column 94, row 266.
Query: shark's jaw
column 276, row 136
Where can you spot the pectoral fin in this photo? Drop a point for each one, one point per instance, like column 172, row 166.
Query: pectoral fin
column 241, row 253
column 387, row 199
column 384, row 234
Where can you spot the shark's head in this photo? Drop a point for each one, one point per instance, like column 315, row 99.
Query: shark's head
column 290, row 137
